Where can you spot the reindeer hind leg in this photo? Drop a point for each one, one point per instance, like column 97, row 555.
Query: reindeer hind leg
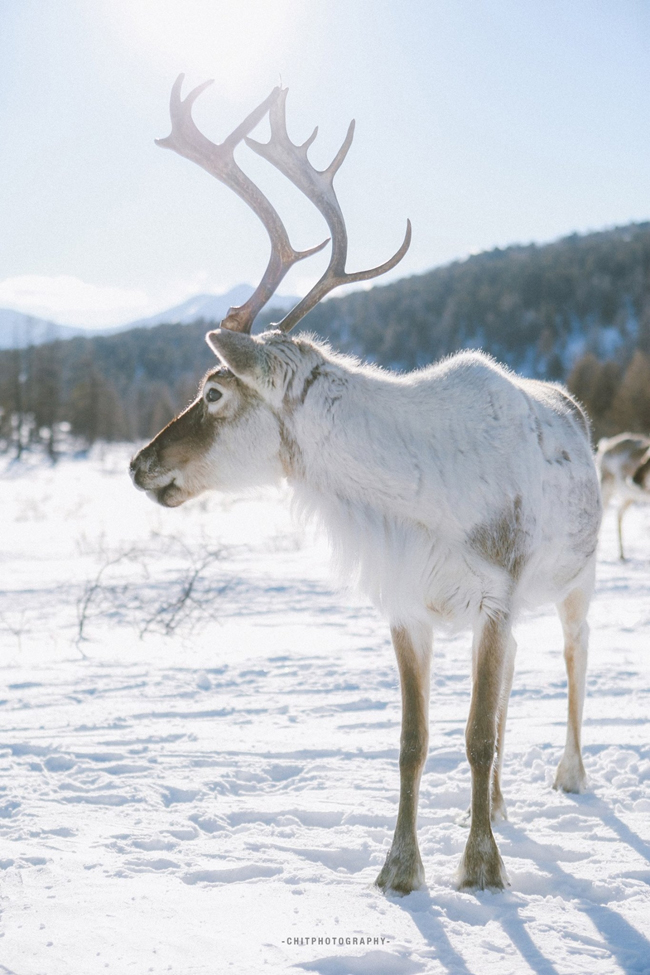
column 497, row 804
column 570, row 776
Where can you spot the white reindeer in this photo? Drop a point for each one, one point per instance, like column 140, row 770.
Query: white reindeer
column 455, row 494
column 623, row 463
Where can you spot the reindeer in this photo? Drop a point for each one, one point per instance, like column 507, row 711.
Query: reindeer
column 623, row 463
column 453, row 495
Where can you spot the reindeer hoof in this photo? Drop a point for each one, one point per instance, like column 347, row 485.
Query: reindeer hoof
column 498, row 811
column 481, row 866
column 570, row 777
column 401, row 874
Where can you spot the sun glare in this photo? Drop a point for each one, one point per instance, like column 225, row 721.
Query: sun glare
column 234, row 43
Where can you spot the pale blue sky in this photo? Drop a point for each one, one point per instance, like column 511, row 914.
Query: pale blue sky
column 487, row 122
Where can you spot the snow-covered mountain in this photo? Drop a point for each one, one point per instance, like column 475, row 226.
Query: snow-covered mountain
column 211, row 308
column 18, row 330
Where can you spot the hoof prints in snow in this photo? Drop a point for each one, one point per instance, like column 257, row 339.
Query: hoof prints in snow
column 236, row 786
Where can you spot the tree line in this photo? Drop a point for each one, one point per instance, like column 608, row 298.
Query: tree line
column 616, row 395
column 577, row 310
column 98, row 388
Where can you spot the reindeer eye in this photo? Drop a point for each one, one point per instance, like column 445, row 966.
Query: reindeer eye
column 213, row 395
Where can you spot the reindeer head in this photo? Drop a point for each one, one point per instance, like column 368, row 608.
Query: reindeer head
column 231, row 435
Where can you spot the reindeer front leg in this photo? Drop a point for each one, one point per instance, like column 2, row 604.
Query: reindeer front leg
column 403, row 870
column 481, row 865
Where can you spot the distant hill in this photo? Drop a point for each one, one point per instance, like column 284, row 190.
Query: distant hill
column 538, row 308
column 18, row 330
column 207, row 308
column 577, row 310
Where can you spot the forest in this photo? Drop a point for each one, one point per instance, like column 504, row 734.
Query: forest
column 576, row 310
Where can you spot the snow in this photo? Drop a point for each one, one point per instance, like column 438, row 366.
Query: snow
column 205, row 778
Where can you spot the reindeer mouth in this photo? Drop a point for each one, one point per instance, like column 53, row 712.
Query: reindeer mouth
column 169, row 496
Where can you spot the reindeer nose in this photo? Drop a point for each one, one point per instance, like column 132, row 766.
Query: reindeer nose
column 136, row 471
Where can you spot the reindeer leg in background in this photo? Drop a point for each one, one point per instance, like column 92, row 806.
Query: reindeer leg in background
column 621, row 511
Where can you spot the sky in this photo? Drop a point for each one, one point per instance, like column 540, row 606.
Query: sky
column 487, row 123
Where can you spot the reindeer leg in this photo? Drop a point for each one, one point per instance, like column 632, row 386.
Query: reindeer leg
column 621, row 511
column 403, row 870
column 607, row 487
column 481, row 865
column 498, row 806
column 570, row 776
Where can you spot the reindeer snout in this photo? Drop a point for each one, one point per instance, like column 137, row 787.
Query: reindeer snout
column 134, row 471
column 160, row 485
column 138, row 469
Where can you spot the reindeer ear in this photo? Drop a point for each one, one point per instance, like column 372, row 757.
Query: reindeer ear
column 240, row 352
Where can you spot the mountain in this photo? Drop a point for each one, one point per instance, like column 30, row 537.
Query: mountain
column 208, row 308
column 17, row 330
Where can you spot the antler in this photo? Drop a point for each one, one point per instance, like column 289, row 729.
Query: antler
column 317, row 185
column 218, row 160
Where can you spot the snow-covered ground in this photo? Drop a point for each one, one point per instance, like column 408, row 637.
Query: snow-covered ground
column 199, row 755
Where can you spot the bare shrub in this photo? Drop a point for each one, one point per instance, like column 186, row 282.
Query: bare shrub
column 163, row 586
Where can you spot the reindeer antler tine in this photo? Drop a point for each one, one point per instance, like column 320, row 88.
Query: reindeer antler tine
column 252, row 120
column 175, row 94
column 335, row 164
column 180, row 111
column 279, row 112
column 194, row 94
column 331, row 279
column 386, row 266
column 167, row 141
column 306, row 144
column 316, row 249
